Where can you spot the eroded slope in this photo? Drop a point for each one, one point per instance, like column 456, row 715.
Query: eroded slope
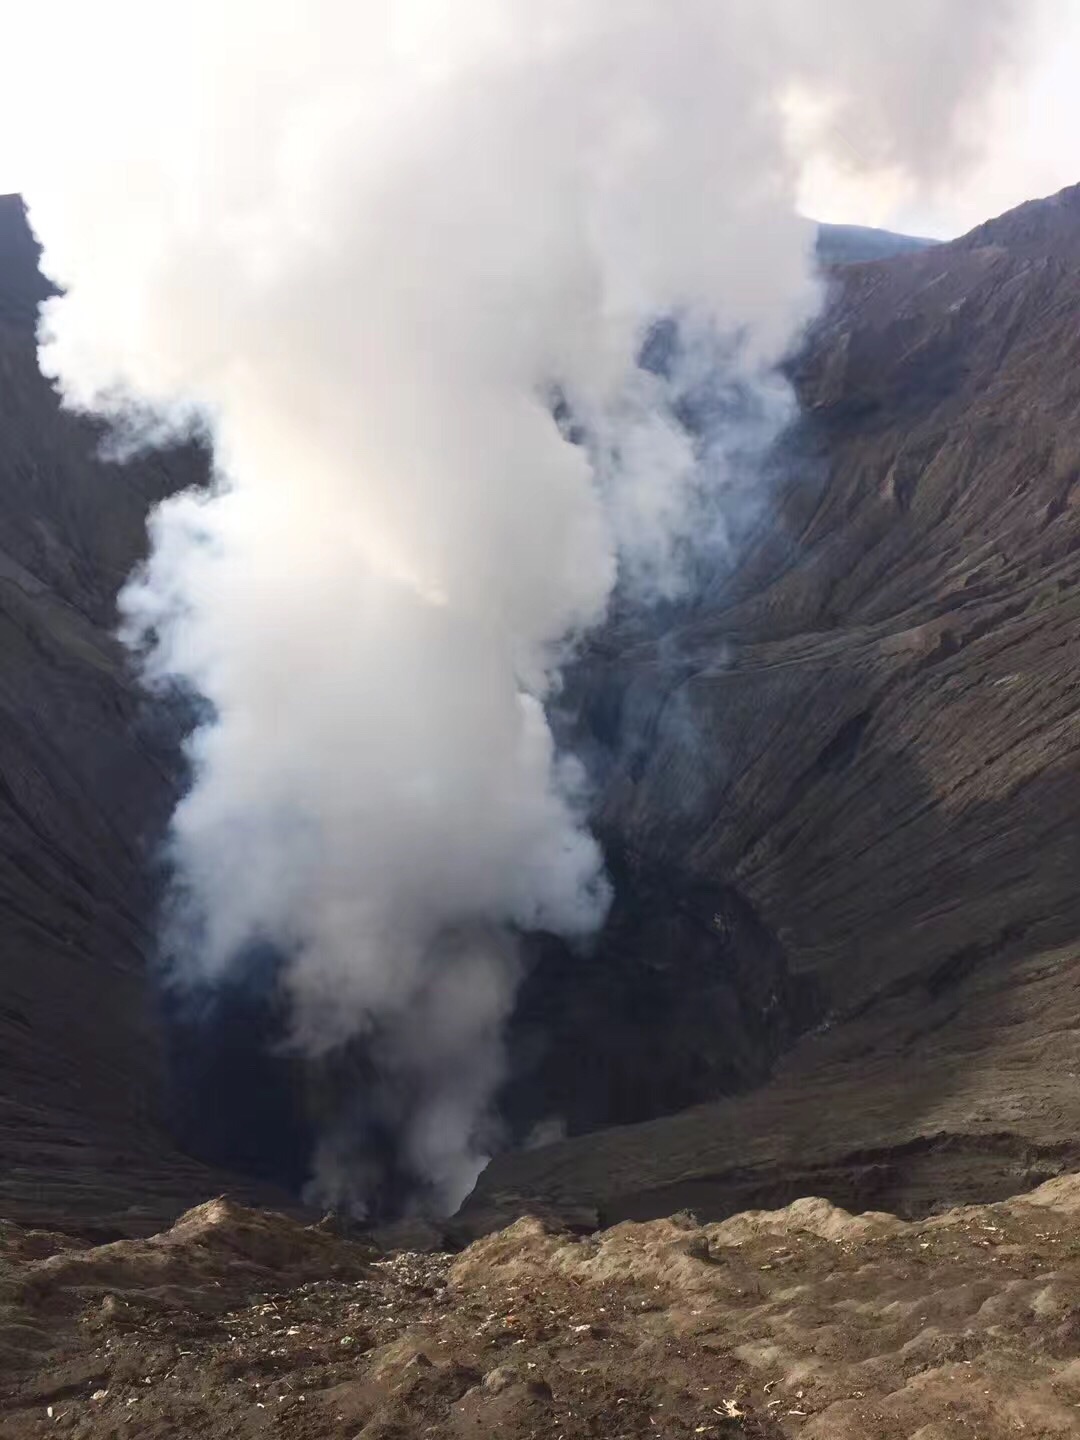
column 873, row 736
column 89, row 772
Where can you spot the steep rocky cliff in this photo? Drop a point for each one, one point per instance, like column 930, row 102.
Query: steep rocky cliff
column 88, row 775
column 873, row 737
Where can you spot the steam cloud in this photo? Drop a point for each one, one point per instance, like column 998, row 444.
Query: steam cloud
column 382, row 248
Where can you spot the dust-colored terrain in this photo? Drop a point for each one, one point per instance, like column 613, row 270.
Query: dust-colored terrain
column 806, row 1321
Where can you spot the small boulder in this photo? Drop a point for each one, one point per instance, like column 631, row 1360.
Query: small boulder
column 501, row 1378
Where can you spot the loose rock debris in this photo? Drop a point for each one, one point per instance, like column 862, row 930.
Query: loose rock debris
column 244, row 1324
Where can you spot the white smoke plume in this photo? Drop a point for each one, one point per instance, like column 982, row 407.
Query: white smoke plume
column 377, row 245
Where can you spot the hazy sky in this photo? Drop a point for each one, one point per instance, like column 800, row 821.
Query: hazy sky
column 1028, row 135
column 1027, row 130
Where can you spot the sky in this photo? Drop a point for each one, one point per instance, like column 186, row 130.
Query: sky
column 1026, row 133
column 1026, row 137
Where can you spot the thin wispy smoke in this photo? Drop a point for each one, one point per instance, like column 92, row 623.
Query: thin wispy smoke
column 407, row 259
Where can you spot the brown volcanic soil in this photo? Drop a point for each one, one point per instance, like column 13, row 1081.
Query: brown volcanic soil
column 800, row 1322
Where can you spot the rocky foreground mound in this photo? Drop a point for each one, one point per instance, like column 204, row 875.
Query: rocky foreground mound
column 807, row 1321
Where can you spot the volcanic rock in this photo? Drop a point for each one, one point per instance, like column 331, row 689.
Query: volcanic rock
column 871, row 734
